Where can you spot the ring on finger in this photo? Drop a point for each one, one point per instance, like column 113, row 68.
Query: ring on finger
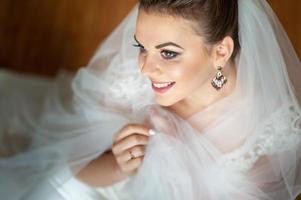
column 132, row 156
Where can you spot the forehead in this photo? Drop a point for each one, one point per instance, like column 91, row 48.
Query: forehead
column 159, row 25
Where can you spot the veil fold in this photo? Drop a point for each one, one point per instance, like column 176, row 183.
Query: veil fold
column 244, row 146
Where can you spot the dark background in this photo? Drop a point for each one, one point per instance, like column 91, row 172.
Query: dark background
column 41, row 36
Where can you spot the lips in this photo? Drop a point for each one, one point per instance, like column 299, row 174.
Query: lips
column 162, row 87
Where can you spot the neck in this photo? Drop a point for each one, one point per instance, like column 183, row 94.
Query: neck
column 198, row 101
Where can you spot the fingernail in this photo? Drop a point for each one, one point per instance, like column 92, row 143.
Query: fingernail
column 152, row 132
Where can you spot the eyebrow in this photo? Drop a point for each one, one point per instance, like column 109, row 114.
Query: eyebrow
column 168, row 44
column 161, row 45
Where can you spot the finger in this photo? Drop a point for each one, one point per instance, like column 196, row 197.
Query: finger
column 137, row 151
column 130, row 129
column 123, row 158
column 129, row 142
column 132, row 165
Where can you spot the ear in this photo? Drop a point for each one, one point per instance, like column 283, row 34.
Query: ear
column 222, row 52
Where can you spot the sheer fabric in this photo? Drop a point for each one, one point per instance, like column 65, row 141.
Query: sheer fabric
column 244, row 146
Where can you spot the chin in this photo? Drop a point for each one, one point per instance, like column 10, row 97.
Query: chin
column 164, row 102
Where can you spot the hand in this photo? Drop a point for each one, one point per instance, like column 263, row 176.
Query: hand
column 129, row 147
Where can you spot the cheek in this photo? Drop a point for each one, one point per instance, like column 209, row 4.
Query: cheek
column 194, row 65
column 199, row 68
column 180, row 73
column 189, row 72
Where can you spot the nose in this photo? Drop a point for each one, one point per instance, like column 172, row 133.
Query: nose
column 149, row 66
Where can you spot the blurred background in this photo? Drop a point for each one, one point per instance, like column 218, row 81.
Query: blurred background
column 42, row 36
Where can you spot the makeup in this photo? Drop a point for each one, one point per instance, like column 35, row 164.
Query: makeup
column 162, row 87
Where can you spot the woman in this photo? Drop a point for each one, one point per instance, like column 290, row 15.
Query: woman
column 209, row 111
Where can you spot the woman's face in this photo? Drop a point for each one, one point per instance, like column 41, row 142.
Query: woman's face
column 173, row 56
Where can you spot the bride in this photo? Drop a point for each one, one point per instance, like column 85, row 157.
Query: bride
column 186, row 99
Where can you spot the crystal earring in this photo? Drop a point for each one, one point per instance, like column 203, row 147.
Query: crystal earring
column 219, row 80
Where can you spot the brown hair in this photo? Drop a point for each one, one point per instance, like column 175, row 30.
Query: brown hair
column 219, row 17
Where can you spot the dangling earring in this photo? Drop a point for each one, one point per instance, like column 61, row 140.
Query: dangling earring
column 219, row 80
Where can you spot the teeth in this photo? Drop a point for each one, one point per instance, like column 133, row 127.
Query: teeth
column 162, row 85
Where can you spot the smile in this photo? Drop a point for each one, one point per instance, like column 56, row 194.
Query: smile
column 162, row 87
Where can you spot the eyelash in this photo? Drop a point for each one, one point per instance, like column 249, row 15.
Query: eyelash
column 141, row 48
column 163, row 52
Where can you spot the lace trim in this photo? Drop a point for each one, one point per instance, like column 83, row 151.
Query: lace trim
column 280, row 133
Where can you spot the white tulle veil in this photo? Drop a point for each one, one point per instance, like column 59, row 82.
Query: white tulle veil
column 245, row 146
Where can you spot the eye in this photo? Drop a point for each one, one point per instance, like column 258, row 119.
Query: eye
column 141, row 48
column 166, row 54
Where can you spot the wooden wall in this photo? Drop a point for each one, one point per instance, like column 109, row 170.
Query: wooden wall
column 42, row 36
column 289, row 13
